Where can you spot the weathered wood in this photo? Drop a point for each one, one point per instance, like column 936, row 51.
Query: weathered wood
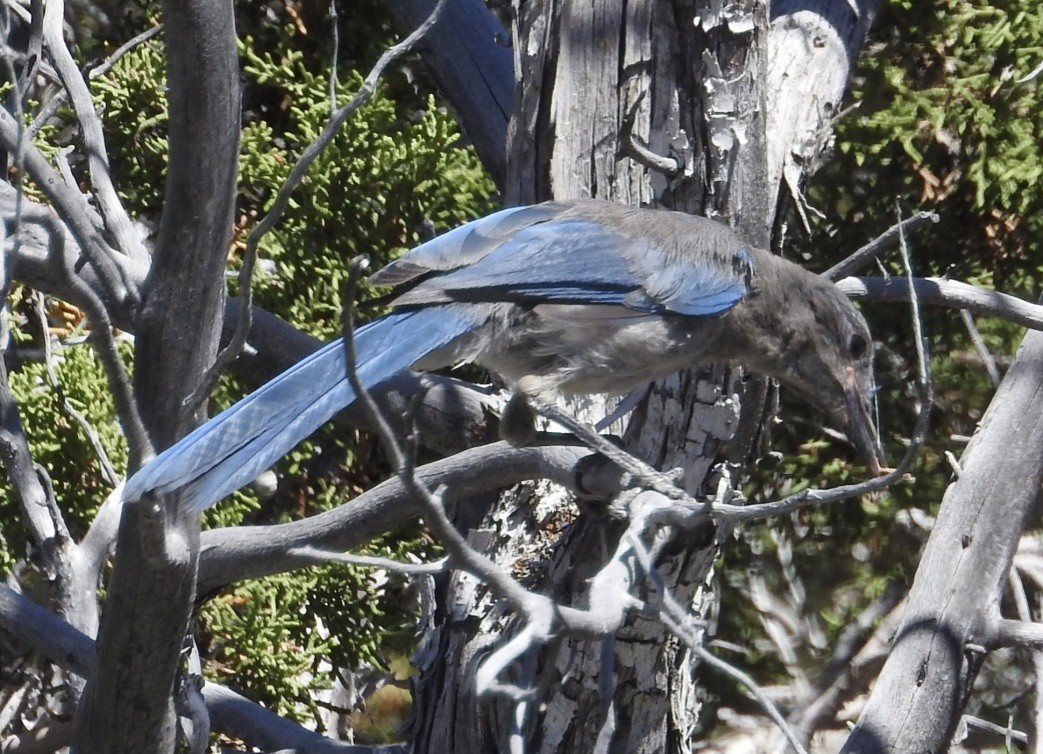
column 919, row 696
column 128, row 705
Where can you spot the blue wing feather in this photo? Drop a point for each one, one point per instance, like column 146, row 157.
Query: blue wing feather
column 463, row 245
column 579, row 260
column 231, row 449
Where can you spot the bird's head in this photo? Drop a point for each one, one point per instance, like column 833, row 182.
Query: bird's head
column 813, row 339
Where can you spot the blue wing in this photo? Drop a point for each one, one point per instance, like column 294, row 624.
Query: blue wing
column 231, row 449
column 583, row 253
column 579, row 252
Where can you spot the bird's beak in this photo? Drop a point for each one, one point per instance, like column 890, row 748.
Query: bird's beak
column 860, row 427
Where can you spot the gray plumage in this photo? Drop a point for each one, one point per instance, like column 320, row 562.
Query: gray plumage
column 558, row 298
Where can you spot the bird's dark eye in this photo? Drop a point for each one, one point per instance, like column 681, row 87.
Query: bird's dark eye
column 857, row 346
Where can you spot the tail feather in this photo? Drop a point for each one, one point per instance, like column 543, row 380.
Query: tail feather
column 231, row 449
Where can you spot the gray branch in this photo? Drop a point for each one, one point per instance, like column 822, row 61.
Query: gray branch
column 242, row 552
column 917, row 699
column 884, row 242
column 468, row 52
column 951, row 293
column 116, row 219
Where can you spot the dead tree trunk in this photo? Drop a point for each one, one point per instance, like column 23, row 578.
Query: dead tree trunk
column 128, row 705
column 953, row 612
column 701, row 87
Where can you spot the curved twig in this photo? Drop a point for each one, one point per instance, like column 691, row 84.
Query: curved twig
column 230, row 353
column 886, row 240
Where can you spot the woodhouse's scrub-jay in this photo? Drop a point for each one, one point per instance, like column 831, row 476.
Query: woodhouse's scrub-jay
column 557, row 298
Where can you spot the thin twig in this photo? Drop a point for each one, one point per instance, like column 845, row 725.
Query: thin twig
column 879, row 245
column 982, row 349
column 1007, row 732
column 231, row 352
column 641, row 471
column 370, row 561
column 123, row 49
column 335, row 34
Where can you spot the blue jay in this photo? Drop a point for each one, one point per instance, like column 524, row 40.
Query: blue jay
column 557, row 298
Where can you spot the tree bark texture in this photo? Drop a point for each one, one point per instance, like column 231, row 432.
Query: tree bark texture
column 693, row 78
column 128, row 704
column 919, row 696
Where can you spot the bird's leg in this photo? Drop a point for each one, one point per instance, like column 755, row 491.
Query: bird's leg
column 518, row 426
column 640, row 471
column 518, row 422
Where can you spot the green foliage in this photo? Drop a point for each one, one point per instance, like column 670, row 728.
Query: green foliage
column 132, row 100
column 370, row 192
column 946, row 122
column 58, row 441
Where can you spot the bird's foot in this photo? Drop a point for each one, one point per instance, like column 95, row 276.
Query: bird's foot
column 518, row 422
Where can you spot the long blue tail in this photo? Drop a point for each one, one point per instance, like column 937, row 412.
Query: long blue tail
column 231, row 449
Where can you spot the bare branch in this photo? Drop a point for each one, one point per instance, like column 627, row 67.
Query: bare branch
column 1008, row 733
column 640, row 470
column 916, row 699
column 232, row 554
column 1005, row 632
column 885, row 241
column 70, row 205
column 949, row 293
column 116, row 218
column 104, row 342
column 230, row 713
column 123, row 49
column 74, row 596
column 60, row 98
column 370, row 561
column 640, row 153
